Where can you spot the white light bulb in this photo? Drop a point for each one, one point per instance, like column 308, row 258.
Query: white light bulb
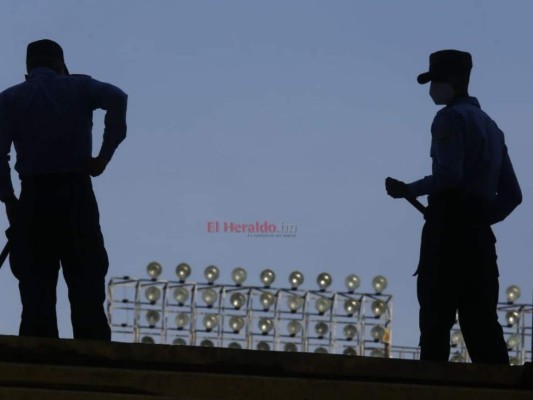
column 152, row 294
column 152, row 317
column 210, row 321
column 379, row 307
column 378, row 333
column 207, row 343
column 377, row 353
column 237, row 300
column 147, row 340
column 513, row 293
column 267, row 299
column 182, row 320
column 265, row 325
column 512, row 318
column 296, row 278
column 323, row 305
column 209, row 296
column 154, row 270
column 350, row 332
column 324, row 281
column 267, row 277
column 294, row 327
column 321, row 329
column 351, row 306
column 295, row 302
column 349, row 351
column 456, row 338
column 236, row 323
column 263, row 346
column 179, row 342
column 238, row 275
column 211, row 274
column 514, row 341
column 290, row 348
column 181, row 295
column 352, row 282
column 183, row 271
column 379, row 283
column 457, row 358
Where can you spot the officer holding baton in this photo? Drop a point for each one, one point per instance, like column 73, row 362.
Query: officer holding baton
column 472, row 186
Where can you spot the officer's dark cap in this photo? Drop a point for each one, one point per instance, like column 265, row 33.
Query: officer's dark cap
column 45, row 50
column 445, row 63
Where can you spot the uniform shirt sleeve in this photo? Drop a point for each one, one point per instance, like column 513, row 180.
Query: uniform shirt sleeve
column 508, row 195
column 447, row 152
column 114, row 101
column 6, row 139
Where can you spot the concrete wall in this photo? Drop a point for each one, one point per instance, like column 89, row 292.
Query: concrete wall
column 33, row 368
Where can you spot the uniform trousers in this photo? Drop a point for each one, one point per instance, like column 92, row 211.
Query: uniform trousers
column 57, row 226
column 458, row 275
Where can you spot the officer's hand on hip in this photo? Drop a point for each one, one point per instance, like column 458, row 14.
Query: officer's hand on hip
column 396, row 189
column 96, row 165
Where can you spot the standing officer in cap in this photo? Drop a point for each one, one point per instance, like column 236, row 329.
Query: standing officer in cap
column 472, row 186
column 48, row 118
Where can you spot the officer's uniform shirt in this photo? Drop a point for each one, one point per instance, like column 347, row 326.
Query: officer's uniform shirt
column 49, row 120
column 469, row 154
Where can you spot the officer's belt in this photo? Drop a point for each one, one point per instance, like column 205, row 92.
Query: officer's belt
column 458, row 207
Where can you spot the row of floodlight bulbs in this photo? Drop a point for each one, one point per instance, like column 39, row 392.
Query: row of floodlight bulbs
column 265, row 325
column 265, row 346
column 514, row 342
column 461, row 358
column 267, row 299
column 512, row 318
column 267, row 277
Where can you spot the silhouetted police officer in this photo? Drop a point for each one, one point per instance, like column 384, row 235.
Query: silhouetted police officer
column 472, row 186
column 48, row 118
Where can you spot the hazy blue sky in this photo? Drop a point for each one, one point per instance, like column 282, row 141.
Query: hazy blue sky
column 280, row 110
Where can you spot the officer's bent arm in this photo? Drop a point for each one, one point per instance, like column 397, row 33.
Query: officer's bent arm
column 6, row 138
column 114, row 101
column 508, row 195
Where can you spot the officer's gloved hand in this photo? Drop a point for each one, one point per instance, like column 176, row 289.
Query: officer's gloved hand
column 396, row 189
column 96, row 166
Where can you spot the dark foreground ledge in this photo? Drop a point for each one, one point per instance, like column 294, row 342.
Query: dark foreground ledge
column 32, row 368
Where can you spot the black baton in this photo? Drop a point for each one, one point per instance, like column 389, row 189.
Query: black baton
column 416, row 204
column 7, row 248
column 5, row 253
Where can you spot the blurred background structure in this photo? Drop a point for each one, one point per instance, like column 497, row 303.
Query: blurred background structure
column 271, row 316
column 262, row 317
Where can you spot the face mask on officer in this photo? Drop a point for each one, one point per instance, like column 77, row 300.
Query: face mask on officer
column 442, row 93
